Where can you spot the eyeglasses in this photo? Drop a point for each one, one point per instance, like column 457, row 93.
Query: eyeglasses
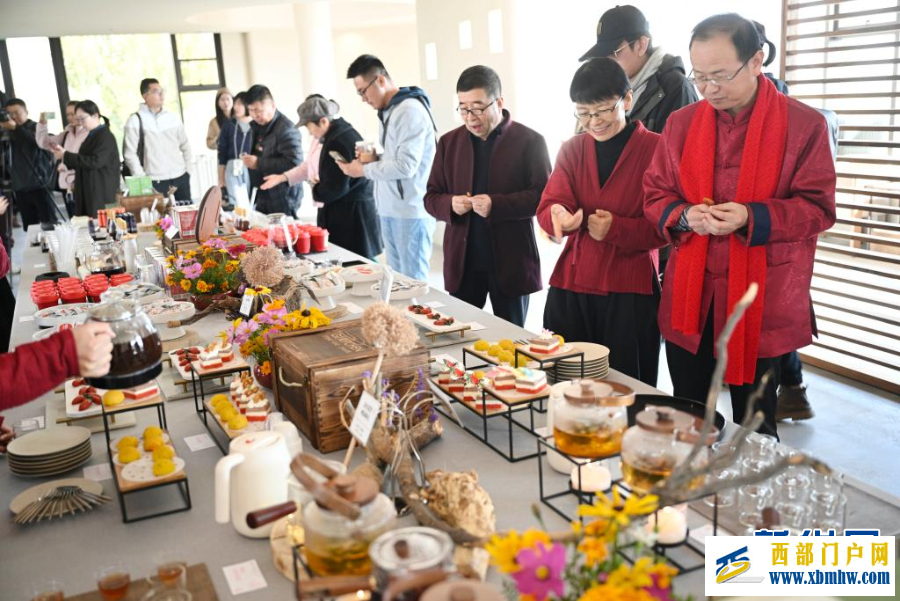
column 157, row 91
column 615, row 53
column 716, row 81
column 362, row 93
column 477, row 112
column 602, row 113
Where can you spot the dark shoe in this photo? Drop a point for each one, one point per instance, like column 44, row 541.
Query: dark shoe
column 793, row 404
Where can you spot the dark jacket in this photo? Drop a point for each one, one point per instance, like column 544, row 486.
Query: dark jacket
column 667, row 91
column 520, row 167
column 96, row 166
column 25, row 154
column 349, row 213
column 230, row 138
column 277, row 144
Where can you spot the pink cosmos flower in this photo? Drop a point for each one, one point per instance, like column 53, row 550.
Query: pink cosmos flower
column 542, row 570
column 193, row 271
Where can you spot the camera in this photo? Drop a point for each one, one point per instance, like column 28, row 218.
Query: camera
column 4, row 115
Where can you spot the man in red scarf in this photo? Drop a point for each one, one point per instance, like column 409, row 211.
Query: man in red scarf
column 741, row 183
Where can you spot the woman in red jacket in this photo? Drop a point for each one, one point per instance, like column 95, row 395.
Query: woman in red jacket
column 742, row 183
column 605, row 287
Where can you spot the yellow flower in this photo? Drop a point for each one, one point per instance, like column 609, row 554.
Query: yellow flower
column 274, row 305
column 664, row 574
column 186, row 285
column 631, row 576
column 503, row 549
column 224, row 286
column 169, row 281
column 594, row 549
column 608, row 592
column 202, row 286
column 266, row 368
column 190, row 254
column 617, row 512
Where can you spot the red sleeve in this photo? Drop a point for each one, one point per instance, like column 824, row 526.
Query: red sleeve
column 34, row 368
column 522, row 204
column 4, row 261
column 663, row 199
column 810, row 208
column 634, row 233
column 560, row 190
column 438, row 200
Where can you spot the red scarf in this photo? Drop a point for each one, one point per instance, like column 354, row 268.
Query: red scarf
column 761, row 163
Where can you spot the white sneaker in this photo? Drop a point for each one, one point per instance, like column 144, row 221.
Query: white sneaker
column 16, row 270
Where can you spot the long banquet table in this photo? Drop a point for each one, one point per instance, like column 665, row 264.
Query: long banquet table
column 70, row 549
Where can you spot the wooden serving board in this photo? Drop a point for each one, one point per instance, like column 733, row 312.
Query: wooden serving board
column 128, row 405
column 127, row 486
column 459, row 397
column 251, row 426
column 514, row 397
column 199, row 585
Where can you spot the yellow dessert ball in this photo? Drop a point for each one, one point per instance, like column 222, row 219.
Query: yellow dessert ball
column 153, row 443
column 227, row 413
column 238, row 422
column 507, row 344
column 506, row 356
column 163, row 467
column 129, row 454
column 111, row 398
column 478, row 374
column 153, row 432
column 482, row 345
column 218, row 398
column 523, row 361
column 494, row 350
column 127, row 441
column 163, row 452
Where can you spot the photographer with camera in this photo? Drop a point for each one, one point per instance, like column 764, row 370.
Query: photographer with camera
column 32, row 167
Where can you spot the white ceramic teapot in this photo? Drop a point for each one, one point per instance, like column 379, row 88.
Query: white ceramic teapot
column 252, row 476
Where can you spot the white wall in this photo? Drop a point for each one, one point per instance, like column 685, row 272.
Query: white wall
column 541, row 46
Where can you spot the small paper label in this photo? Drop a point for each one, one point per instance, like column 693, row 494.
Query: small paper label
column 475, row 326
column 353, row 308
column 244, row 577
column 98, row 472
column 440, row 359
column 26, row 318
column 364, row 418
column 246, row 304
column 172, row 232
column 387, row 280
column 153, row 206
column 40, row 265
column 199, row 442
column 435, row 304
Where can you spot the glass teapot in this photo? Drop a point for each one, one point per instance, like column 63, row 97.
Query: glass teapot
column 137, row 349
column 589, row 418
column 106, row 258
column 651, row 449
column 347, row 515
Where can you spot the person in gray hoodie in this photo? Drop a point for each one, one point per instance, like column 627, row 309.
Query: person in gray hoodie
column 407, row 135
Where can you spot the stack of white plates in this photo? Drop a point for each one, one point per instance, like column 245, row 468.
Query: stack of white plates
column 596, row 362
column 50, row 451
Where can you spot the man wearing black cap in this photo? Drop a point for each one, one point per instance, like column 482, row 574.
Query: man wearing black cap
column 657, row 79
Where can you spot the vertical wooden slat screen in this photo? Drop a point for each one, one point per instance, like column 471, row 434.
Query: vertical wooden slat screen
column 844, row 55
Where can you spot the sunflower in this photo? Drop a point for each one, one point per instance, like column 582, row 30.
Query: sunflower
column 186, row 285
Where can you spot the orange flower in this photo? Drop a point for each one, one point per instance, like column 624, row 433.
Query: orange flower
column 209, row 264
column 229, row 268
column 266, row 368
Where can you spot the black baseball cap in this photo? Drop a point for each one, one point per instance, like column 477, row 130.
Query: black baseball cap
column 617, row 24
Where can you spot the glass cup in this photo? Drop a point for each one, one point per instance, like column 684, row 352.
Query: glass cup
column 113, row 582
column 27, row 425
column 171, row 571
column 49, row 590
column 758, row 453
column 828, row 512
column 752, row 499
column 725, row 497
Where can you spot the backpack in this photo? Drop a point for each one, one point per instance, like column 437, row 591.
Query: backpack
column 126, row 172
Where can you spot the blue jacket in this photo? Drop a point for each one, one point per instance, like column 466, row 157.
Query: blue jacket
column 230, row 138
column 407, row 134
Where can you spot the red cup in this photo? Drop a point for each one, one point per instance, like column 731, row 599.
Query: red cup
column 319, row 240
column 73, row 295
column 94, row 292
column 43, row 286
column 302, row 244
column 120, row 278
column 102, row 217
column 44, row 300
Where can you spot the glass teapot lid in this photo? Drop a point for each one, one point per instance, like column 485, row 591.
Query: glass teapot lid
column 114, row 307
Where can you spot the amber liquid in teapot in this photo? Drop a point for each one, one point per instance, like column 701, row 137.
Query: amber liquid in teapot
column 590, row 443
column 349, row 559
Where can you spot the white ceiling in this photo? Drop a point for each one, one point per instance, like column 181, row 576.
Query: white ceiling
column 53, row 18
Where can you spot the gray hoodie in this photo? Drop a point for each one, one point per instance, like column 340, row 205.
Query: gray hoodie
column 409, row 142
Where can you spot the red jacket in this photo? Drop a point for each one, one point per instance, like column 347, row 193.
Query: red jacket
column 519, row 170
column 627, row 259
column 788, row 224
column 4, row 261
column 34, row 368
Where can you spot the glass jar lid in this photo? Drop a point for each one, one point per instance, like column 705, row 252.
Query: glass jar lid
column 114, row 307
column 599, row 392
column 665, row 420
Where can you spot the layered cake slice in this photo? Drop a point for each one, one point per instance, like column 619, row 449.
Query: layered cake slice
column 544, row 344
column 503, row 378
column 141, row 393
column 257, row 408
column 209, row 357
column 530, row 381
column 237, row 388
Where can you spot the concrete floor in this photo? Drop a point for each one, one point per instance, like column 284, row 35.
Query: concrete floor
column 856, row 428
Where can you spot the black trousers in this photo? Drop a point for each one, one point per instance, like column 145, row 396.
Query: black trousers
column 182, row 183
column 626, row 323
column 692, row 374
column 477, row 285
column 7, row 308
column 791, row 370
column 35, row 207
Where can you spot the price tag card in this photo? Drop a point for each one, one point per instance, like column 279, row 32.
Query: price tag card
column 246, row 304
column 40, row 265
column 98, row 472
column 353, row 308
column 435, row 304
column 172, row 232
column 364, row 418
column 475, row 327
column 244, row 577
column 387, row 280
column 199, row 442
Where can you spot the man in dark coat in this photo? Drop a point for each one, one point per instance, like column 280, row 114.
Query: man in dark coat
column 486, row 183
column 657, row 79
column 276, row 149
column 32, row 170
